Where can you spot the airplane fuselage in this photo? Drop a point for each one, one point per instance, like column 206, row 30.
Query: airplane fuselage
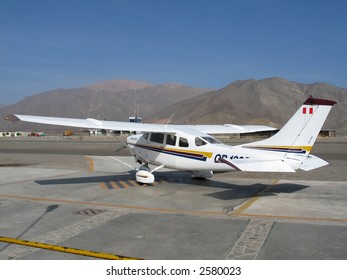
column 192, row 155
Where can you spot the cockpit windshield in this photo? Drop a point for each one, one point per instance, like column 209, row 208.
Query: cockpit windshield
column 203, row 140
column 199, row 142
column 211, row 140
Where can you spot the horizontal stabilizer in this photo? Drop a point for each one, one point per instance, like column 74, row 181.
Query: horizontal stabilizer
column 313, row 162
column 260, row 166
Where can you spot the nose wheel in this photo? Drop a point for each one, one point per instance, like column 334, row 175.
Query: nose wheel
column 145, row 175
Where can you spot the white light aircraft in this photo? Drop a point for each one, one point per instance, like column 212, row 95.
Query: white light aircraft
column 192, row 148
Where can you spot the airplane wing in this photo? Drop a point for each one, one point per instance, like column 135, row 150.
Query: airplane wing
column 227, row 128
column 89, row 123
column 139, row 127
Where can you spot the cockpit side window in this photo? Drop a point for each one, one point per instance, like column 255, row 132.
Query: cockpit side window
column 145, row 135
column 183, row 142
column 199, row 142
column 171, row 139
column 157, row 137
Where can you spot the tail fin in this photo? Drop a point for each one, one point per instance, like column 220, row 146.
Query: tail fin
column 300, row 132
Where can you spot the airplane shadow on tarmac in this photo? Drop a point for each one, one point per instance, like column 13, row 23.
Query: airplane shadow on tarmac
column 48, row 209
column 245, row 191
column 233, row 191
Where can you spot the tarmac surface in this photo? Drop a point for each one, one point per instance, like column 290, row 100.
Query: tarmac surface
column 82, row 194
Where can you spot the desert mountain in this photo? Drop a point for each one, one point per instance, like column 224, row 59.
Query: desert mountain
column 110, row 100
column 118, row 85
column 269, row 101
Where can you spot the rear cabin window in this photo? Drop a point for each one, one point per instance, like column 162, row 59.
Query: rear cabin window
column 171, row 139
column 157, row 138
column 183, row 142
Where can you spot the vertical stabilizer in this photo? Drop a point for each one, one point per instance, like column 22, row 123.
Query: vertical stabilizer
column 300, row 132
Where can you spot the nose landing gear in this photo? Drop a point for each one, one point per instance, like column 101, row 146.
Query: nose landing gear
column 145, row 176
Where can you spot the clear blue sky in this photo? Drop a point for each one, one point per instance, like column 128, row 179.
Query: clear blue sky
column 52, row 44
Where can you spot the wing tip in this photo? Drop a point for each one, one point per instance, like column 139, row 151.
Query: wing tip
column 11, row 118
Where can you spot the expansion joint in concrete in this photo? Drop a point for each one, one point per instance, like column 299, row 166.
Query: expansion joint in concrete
column 251, row 240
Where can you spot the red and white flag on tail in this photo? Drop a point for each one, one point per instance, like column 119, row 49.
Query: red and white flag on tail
column 307, row 110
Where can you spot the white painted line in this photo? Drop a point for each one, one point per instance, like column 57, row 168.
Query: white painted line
column 123, row 162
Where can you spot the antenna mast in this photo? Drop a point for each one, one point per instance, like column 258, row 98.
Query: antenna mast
column 135, row 109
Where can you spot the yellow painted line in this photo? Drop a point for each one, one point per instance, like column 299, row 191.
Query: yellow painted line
column 118, row 206
column 243, row 207
column 91, row 164
column 103, row 185
column 291, row 217
column 100, row 255
column 163, row 210
column 124, row 184
column 248, row 203
column 132, row 182
column 114, row 185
